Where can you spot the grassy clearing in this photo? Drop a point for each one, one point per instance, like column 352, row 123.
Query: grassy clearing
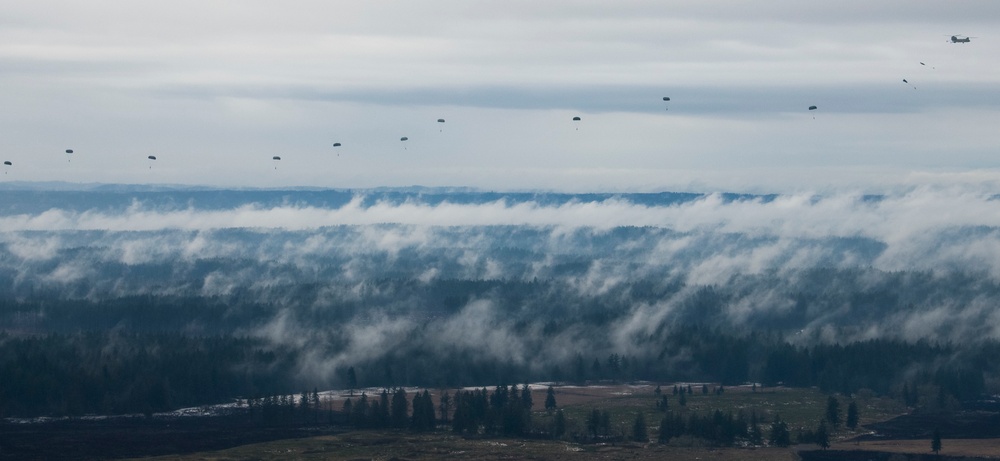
column 799, row 407
column 386, row 446
column 980, row 448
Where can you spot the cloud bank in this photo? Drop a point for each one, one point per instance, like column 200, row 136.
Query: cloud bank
column 468, row 272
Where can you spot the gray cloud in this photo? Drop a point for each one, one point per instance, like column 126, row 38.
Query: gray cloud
column 221, row 88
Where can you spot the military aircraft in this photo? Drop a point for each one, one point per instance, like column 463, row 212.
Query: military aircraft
column 961, row 39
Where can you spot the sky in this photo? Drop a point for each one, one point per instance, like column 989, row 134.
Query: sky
column 216, row 89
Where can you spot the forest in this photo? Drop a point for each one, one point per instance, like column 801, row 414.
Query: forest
column 122, row 301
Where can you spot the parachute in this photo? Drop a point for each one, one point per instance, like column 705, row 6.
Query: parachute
column 7, row 162
column 69, row 151
column 441, row 120
column 336, row 144
column 908, row 83
column 276, row 158
column 812, row 107
column 404, row 139
column 151, row 157
column 576, row 119
column 666, row 99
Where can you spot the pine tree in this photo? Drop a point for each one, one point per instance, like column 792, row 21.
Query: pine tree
column 833, row 411
column 398, row 413
column 822, row 436
column 352, row 380
column 559, row 429
column 936, row 441
column 754, row 434
column 445, row 406
column 593, row 422
column 639, row 428
column 550, row 399
column 315, row 404
column 304, row 402
column 381, row 416
column 852, row 415
column 526, row 400
column 780, row 437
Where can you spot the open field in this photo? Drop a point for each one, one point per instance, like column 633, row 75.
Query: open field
column 979, row 448
column 403, row 446
column 369, row 445
column 215, row 439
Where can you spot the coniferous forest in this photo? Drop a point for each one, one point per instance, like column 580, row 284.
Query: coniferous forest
column 99, row 318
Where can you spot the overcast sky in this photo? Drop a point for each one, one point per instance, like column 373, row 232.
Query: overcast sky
column 216, row 89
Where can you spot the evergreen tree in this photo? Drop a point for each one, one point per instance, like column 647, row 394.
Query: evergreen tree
column 399, row 412
column 315, row 404
column 559, row 426
column 936, row 441
column 780, row 437
column 359, row 412
column 380, row 417
column 417, row 418
column 606, row 423
column 755, row 436
column 657, row 391
column 304, row 402
column 833, row 411
column 593, row 422
column 822, row 437
column 526, row 401
column 663, row 405
column 852, row 415
column 682, row 400
column 579, row 369
column 423, row 412
column 550, row 399
column 639, row 428
column 445, row 406
column 704, row 389
column 352, row 380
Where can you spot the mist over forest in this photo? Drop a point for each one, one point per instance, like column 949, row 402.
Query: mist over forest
column 285, row 290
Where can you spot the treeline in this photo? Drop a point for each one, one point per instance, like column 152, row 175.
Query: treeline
column 393, row 411
column 119, row 372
